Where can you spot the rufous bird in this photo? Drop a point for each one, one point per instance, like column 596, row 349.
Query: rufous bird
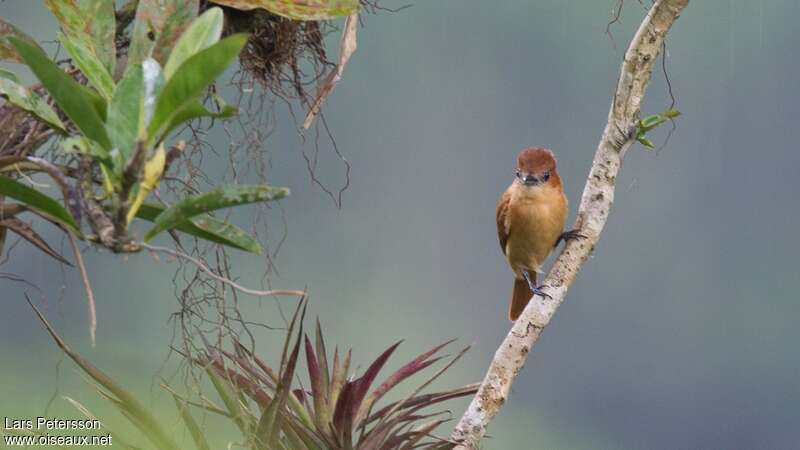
column 530, row 221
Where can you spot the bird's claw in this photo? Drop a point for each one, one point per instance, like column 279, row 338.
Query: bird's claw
column 536, row 290
column 569, row 235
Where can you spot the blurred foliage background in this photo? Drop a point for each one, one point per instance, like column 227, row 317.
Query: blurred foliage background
column 679, row 333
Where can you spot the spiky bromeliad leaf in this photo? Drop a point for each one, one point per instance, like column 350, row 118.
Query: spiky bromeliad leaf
column 269, row 425
column 204, row 32
column 208, row 228
column 22, row 97
column 298, row 9
column 91, row 21
column 7, row 51
column 78, row 103
column 36, row 200
column 158, row 25
column 222, row 197
column 190, row 81
column 194, row 429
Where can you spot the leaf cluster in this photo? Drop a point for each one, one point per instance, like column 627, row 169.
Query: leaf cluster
column 117, row 129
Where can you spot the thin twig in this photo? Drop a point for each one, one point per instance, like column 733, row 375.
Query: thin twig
column 87, row 286
column 200, row 265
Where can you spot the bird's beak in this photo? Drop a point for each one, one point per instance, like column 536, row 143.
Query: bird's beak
column 527, row 179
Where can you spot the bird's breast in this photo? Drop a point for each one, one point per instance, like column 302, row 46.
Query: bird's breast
column 537, row 217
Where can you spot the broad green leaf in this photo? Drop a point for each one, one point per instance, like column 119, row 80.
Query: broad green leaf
column 75, row 100
column 191, row 79
column 298, row 9
column 159, row 24
column 222, row 197
column 195, row 110
column 125, row 112
column 26, row 99
column 91, row 21
column 208, row 228
column 7, row 51
column 204, row 32
column 86, row 60
column 36, row 200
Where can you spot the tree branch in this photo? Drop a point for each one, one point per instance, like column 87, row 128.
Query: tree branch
column 598, row 196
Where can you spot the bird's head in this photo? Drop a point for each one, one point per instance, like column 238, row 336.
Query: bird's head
column 535, row 166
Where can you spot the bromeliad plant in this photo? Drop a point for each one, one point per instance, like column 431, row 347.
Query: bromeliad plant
column 338, row 412
column 118, row 130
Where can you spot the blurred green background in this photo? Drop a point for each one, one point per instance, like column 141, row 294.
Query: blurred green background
column 680, row 332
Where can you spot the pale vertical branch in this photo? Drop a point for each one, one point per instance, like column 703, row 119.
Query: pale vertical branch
column 598, row 196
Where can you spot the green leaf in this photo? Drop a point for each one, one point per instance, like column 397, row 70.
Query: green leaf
column 222, row 197
column 125, row 112
column 650, row 122
column 75, row 100
column 7, row 51
column 91, row 66
column 159, row 24
column 192, row 78
column 646, row 142
column 204, row 32
column 35, row 199
column 26, row 99
column 208, row 228
column 91, row 21
column 298, row 9
column 195, row 110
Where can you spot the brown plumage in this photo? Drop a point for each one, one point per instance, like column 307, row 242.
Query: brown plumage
column 530, row 218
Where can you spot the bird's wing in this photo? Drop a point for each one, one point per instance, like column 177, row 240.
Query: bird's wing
column 503, row 228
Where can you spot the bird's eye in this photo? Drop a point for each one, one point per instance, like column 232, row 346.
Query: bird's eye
column 546, row 176
column 516, row 173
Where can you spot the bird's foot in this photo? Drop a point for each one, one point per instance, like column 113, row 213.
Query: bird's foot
column 536, row 290
column 569, row 235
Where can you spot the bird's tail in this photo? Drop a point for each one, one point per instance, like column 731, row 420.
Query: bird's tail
column 520, row 296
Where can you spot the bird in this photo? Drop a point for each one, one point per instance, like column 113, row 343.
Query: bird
column 531, row 214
